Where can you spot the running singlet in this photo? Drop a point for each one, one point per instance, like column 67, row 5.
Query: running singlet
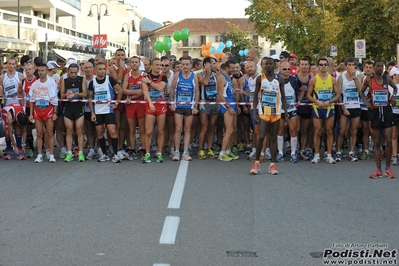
column 270, row 96
column 350, row 94
column 304, row 108
column 102, row 92
column 290, row 86
column 395, row 109
column 156, row 95
column 10, row 85
column 87, row 108
column 250, row 85
column 323, row 91
column 209, row 92
column 26, row 84
column 44, row 94
column 228, row 89
column 74, row 86
column 366, row 92
column 185, row 90
column 379, row 93
column 167, row 87
column 134, row 84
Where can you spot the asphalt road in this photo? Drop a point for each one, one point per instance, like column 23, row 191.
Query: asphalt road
column 214, row 213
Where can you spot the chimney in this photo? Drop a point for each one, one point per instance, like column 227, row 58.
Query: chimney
column 166, row 23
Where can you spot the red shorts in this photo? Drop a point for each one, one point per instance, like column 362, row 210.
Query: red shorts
column 169, row 112
column 160, row 109
column 121, row 108
column 43, row 114
column 135, row 110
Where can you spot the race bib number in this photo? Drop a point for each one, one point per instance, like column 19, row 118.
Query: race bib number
column 155, row 94
column 135, row 87
column 101, row 96
column 42, row 103
column 290, row 102
column 251, row 96
column 27, row 98
column 352, row 94
column 211, row 93
column 324, row 95
column 269, row 99
column 184, row 97
column 74, row 90
column 11, row 91
column 380, row 98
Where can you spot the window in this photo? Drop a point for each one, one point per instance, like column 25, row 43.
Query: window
column 272, row 52
column 255, row 39
column 185, row 43
column 203, row 39
column 185, row 53
column 219, row 38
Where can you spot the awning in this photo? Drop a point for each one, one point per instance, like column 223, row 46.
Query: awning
column 13, row 44
column 69, row 54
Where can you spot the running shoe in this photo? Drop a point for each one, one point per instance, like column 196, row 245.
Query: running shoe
column 51, row 158
column 330, row 159
column 120, row 155
column 252, row 156
column 146, row 158
column 63, row 154
column 316, row 159
column 280, row 158
column 272, row 169
column 376, row 174
column 81, row 157
column 48, row 154
column 365, row 155
column 172, row 153
column 132, row 156
column 159, row 158
column 201, row 155
column 116, row 159
column 389, row 173
column 395, row 160
column 262, row 158
column 248, row 149
column 103, row 158
column 309, row 153
column 166, row 150
column 217, row 150
column 268, row 155
column 240, row 147
column 352, row 157
column 338, row 157
column 233, row 156
column 210, row 154
column 76, row 152
column 303, row 156
column 30, row 153
column 176, row 156
column 255, row 168
column 234, row 150
column 39, row 158
column 225, row 158
column 69, row 157
column 186, row 156
column 8, row 156
column 294, row 159
column 90, row 155
column 21, row 156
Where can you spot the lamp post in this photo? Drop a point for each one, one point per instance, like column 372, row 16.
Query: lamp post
column 314, row 4
column 19, row 20
column 128, row 34
column 98, row 18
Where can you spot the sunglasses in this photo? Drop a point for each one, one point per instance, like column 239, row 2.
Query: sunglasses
column 323, row 64
column 166, row 65
column 286, row 69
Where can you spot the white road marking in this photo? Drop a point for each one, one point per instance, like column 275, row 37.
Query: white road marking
column 178, row 188
column 161, row 264
column 169, row 230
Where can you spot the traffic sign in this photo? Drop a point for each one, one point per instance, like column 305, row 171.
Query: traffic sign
column 360, row 48
column 333, row 50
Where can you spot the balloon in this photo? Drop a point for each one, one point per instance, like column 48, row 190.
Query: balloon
column 167, row 44
column 208, row 45
column 184, row 34
column 216, row 55
column 246, row 52
column 221, row 45
column 213, row 49
column 219, row 50
column 222, row 55
column 229, row 44
column 176, row 35
column 158, row 46
column 203, row 47
column 241, row 52
column 186, row 30
column 206, row 53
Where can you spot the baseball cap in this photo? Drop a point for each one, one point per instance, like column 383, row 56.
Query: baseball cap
column 70, row 62
column 293, row 56
column 52, row 64
column 275, row 57
column 394, row 71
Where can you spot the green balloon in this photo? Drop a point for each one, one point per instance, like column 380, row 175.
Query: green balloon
column 176, row 35
column 167, row 44
column 158, row 46
column 188, row 32
column 184, row 34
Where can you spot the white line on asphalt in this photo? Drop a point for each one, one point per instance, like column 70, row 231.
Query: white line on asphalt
column 178, row 188
column 161, row 264
column 169, row 230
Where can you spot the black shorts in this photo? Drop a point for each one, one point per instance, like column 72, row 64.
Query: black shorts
column 395, row 119
column 305, row 115
column 107, row 119
column 365, row 115
column 290, row 114
column 382, row 117
column 74, row 111
column 184, row 111
column 87, row 116
column 353, row 113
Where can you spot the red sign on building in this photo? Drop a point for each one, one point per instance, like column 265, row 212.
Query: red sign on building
column 100, row 41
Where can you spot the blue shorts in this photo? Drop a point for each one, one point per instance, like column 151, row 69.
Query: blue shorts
column 323, row 113
column 254, row 123
column 223, row 109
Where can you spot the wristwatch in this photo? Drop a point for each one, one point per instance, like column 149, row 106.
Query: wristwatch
column 116, row 103
column 150, row 81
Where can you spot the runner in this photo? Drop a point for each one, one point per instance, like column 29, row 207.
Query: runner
column 271, row 88
column 43, row 109
column 9, row 83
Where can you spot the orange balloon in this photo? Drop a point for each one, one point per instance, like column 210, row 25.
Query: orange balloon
column 209, row 45
column 204, row 52
column 216, row 55
column 221, row 56
column 203, row 47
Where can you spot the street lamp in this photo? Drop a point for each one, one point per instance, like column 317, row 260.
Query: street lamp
column 314, row 4
column 98, row 18
column 128, row 35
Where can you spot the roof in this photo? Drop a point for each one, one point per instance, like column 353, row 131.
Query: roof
column 204, row 25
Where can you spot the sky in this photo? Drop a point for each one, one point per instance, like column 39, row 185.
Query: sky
column 176, row 10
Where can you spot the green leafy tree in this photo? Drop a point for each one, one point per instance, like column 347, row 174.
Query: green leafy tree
column 240, row 40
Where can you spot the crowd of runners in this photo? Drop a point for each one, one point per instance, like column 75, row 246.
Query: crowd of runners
column 275, row 108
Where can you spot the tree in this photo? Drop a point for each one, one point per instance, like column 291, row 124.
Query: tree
column 240, row 40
